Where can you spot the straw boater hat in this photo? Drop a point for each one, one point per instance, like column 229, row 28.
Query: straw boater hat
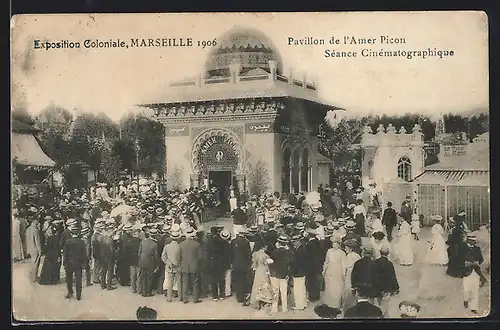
column 175, row 234
column 166, row 227
column 71, row 222
column 224, row 234
column 127, row 227
column 350, row 225
column 190, row 232
column 153, row 231
column 409, row 309
column 74, row 230
column 471, row 236
column 299, row 226
column 283, row 239
column 297, row 237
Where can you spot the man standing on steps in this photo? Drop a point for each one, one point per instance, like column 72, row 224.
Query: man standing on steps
column 75, row 259
column 239, row 220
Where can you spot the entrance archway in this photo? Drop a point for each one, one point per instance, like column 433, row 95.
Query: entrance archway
column 217, row 158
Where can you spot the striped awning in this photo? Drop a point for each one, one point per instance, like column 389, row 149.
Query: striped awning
column 458, row 178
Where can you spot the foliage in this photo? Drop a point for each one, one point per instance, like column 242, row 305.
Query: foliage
column 110, row 166
column 258, row 178
column 150, row 138
column 175, row 181
column 22, row 115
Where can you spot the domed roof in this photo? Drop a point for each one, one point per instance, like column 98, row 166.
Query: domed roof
column 251, row 48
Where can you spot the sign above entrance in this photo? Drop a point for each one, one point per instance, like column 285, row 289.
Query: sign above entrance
column 218, row 153
column 177, row 130
column 256, row 128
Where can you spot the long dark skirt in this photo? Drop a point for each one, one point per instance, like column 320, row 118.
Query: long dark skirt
column 360, row 225
column 51, row 271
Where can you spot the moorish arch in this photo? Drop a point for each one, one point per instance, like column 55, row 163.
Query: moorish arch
column 217, row 149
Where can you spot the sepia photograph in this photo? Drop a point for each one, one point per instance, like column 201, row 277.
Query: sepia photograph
column 249, row 166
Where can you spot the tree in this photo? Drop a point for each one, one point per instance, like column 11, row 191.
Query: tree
column 125, row 149
column 110, row 166
column 258, row 178
column 151, row 139
column 22, row 115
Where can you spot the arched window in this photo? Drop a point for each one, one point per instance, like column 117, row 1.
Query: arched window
column 296, row 171
column 287, row 159
column 304, row 173
column 404, row 168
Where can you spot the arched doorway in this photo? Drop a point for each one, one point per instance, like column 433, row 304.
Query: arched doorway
column 286, row 176
column 216, row 160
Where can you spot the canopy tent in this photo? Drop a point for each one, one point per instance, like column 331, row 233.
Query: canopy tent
column 27, row 152
column 454, row 177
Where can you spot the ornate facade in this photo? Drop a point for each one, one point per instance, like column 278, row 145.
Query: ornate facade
column 242, row 122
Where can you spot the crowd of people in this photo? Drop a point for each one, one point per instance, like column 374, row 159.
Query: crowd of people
column 283, row 251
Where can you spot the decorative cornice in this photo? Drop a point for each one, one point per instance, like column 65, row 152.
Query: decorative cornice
column 214, row 118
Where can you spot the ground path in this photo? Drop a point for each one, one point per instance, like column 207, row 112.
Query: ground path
column 35, row 302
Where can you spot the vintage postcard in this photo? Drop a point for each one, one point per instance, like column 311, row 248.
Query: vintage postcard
column 250, row 166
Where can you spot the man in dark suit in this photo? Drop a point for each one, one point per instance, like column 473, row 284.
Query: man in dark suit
column 363, row 308
column 241, row 261
column 298, row 271
column 148, row 261
column 75, row 259
column 280, row 271
column 363, row 273
column 191, row 258
column 239, row 219
column 389, row 220
column 107, row 257
column 216, row 263
column 314, row 266
column 385, row 280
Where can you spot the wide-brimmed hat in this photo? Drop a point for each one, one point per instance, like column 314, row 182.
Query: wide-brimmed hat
column 462, row 214
column 350, row 225
column 127, row 227
column 153, row 231
column 283, row 239
column 224, row 234
column 166, row 227
column 253, row 229
column 71, row 222
column 297, row 237
column 175, row 234
column 471, row 236
column 299, row 226
column 378, row 235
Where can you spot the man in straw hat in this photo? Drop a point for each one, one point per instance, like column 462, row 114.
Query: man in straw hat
column 226, row 236
column 314, row 265
column 85, row 234
column 148, row 261
column 107, row 256
column 241, row 261
column 191, row 256
column 123, row 266
column 75, row 258
column 171, row 257
column 132, row 253
column 95, row 243
column 298, row 271
column 280, row 270
column 472, row 274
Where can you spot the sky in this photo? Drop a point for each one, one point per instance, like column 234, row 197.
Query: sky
column 114, row 80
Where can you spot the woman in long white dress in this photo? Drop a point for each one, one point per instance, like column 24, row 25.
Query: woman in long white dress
column 17, row 246
column 405, row 244
column 349, row 298
column 437, row 254
column 334, row 275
